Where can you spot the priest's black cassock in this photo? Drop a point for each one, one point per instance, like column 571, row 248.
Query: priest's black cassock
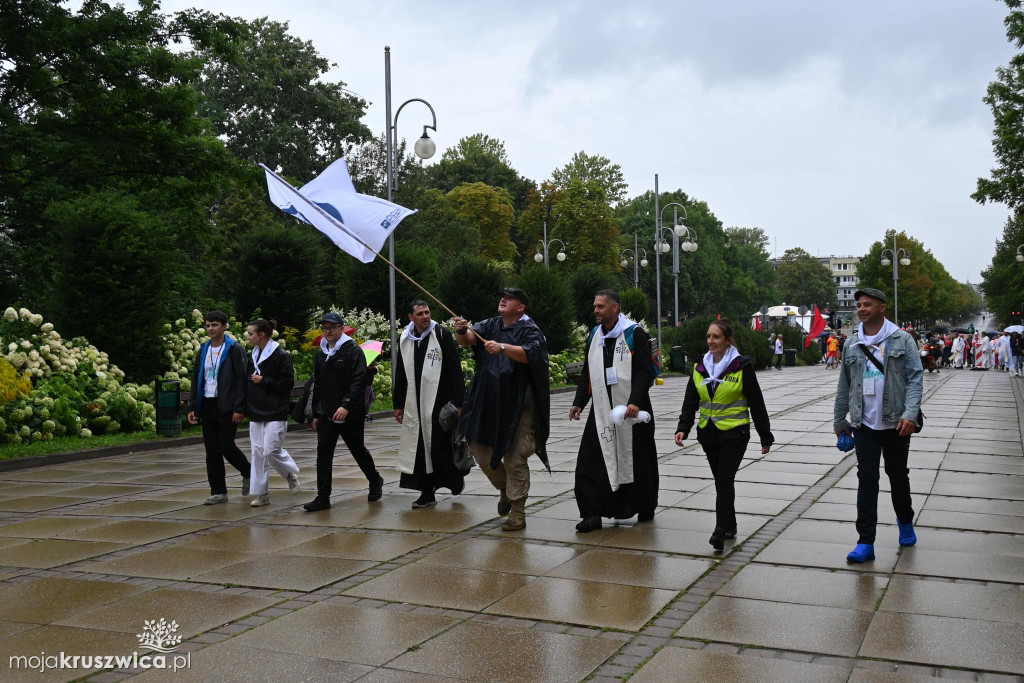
column 451, row 388
column 594, row 494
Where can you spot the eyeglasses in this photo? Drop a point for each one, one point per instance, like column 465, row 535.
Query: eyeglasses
column 328, row 328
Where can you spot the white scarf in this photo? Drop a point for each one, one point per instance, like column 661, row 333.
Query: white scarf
column 616, row 441
column 418, row 419
column 714, row 369
column 888, row 328
column 620, row 326
column 411, row 332
column 331, row 351
column 260, row 356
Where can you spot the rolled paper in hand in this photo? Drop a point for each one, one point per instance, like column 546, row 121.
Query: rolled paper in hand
column 617, row 415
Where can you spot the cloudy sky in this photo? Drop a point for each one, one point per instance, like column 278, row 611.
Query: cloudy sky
column 823, row 123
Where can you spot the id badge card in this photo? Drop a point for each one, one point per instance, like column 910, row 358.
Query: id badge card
column 869, row 387
column 611, row 376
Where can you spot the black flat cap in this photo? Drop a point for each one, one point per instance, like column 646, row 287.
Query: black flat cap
column 872, row 292
column 515, row 293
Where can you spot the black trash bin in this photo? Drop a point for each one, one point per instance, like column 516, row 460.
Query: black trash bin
column 677, row 359
column 168, row 407
column 790, row 357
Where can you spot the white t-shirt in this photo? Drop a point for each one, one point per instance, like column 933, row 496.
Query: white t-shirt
column 211, row 368
column 874, row 380
column 778, row 346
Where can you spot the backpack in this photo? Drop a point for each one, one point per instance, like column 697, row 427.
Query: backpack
column 654, row 359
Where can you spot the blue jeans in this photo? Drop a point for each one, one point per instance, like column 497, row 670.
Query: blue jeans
column 872, row 445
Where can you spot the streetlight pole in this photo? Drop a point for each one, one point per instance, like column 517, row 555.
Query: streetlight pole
column 899, row 257
column 678, row 230
column 657, row 259
column 635, row 252
column 542, row 249
column 424, row 149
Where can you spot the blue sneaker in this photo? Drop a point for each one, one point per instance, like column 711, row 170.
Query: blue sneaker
column 862, row 553
column 907, row 535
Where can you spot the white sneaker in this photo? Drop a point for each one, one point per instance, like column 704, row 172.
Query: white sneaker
column 245, row 486
column 260, row 500
column 293, row 484
column 216, row 498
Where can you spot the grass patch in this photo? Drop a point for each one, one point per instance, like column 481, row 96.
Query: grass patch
column 63, row 444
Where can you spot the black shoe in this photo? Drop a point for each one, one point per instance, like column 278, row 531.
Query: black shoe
column 729, row 533
column 425, row 500
column 317, row 504
column 376, row 489
column 645, row 516
column 458, row 488
column 589, row 524
column 717, row 540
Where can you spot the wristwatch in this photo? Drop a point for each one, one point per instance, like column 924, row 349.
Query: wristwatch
column 502, row 347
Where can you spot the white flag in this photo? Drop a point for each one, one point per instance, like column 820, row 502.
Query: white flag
column 357, row 217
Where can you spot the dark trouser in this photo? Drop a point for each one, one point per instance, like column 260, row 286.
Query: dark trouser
column 219, row 440
column 872, row 445
column 725, row 457
column 351, row 432
column 778, row 361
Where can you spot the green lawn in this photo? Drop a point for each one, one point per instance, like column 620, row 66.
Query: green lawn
column 63, row 444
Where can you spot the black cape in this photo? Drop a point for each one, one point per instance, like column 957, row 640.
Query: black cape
column 498, row 392
column 451, row 388
column 594, row 494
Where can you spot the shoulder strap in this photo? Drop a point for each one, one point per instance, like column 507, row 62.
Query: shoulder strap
column 870, row 356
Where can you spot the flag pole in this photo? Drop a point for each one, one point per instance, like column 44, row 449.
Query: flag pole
column 341, row 225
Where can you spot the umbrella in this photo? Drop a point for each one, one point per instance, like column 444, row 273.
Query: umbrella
column 961, row 330
column 1015, row 328
column 371, row 349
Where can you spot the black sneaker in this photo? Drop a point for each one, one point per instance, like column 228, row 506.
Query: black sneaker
column 317, row 504
column 458, row 488
column 729, row 533
column 376, row 489
column 717, row 540
column 589, row 524
column 425, row 500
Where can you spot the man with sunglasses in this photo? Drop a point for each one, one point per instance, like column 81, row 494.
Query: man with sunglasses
column 339, row 381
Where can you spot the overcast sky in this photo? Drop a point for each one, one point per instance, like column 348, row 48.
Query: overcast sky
column 823, row 123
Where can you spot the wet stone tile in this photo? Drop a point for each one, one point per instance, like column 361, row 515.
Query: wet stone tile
column 961, row 565
column 169, row 563
column 346, row 632
column 466, row 589
column 134, row 508
column 828, row 555
column 39, row 503
column 135, row 531
column 70, row 641
column 502, row 555
column 359, row 545
column 291, row 572
column 990, row 603
column 681, row 664
column 42, row 601
column 943, row 641
column 48, row 527
column 806, row 586
column 589, row 603
column 252, row 539
column 610, row 566
column 52, row 552
column 787, row 626
column 538, row 656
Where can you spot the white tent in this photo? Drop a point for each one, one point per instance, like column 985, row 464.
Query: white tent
column 784, row 314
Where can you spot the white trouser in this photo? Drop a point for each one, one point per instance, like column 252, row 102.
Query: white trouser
column 267, row 440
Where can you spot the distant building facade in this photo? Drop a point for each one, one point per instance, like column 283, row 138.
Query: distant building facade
column 844, row 273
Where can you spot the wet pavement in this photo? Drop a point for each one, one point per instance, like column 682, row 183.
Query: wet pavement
column 92, row 550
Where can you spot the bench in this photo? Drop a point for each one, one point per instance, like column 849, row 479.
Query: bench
column 573, row 372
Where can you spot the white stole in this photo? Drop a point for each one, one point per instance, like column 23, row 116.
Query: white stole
column 616, row 440
column 266, row 353
column 419, row 419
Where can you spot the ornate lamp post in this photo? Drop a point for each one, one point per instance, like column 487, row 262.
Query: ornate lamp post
column 900, row 257
column 542, row 249
column 634, row 252
column 424, row 149
column 689, row 244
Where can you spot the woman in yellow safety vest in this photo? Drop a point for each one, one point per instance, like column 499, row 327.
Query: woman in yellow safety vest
column 725, row 390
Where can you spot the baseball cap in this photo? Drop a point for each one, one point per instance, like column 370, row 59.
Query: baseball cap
column 334, row 318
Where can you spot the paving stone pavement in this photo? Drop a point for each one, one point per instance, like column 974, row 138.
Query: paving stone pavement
column 381, row 592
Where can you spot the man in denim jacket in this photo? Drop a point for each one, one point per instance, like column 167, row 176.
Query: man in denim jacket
column 883, row 410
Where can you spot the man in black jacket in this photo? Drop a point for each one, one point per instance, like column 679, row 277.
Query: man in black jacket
column 339, row 381
column 271, row 378
column 218, row 396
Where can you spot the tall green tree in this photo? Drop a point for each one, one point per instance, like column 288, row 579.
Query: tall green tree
column 550, row 299
column 595, row 171
column 580, row 216
column 479, row 158
column 476, row 302
column 586, row 282
column 490, row 210
column 803, row 280
column 752, row 281
column 271, row 103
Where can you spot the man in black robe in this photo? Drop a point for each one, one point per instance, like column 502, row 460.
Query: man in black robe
column 625, row 376
column 438, row 380
column 505, row 417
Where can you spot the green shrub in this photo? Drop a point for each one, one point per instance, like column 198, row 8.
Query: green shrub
column 636, row 305
column 586, row 282
column 469, row 286
column 550, row 305
column 811, row 355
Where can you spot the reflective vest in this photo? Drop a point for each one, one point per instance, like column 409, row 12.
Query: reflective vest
column 728, row 409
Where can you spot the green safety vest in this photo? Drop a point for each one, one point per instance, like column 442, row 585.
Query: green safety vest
column 728, row 409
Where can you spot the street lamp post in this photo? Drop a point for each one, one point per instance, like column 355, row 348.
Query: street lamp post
column 1020, row 256
column 635, row 253
column 657, row 259
column 542, row 248
column 900, row 257
column 424, row 149
column 679, row 229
